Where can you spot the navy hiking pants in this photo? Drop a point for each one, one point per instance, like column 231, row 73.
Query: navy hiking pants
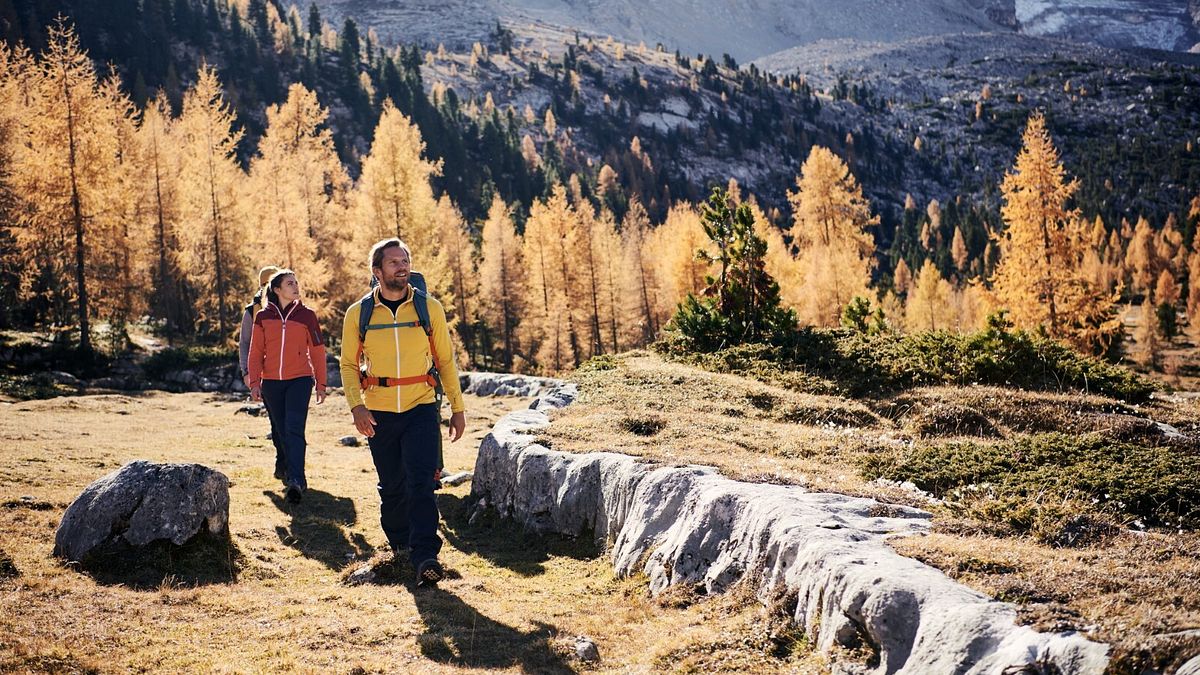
column 287, row 405
column 406, row 452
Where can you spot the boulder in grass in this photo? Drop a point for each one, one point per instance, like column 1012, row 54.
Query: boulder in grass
column 143, row 503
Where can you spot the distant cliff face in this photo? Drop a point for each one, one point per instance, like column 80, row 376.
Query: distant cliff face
column 1169, row 25
column 1003, row 12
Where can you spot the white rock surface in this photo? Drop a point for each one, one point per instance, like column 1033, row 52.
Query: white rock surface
column 691, row 526
column 503, row 384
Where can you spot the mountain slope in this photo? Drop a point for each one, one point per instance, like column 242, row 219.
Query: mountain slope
column 745, row 29
column 1151, row 24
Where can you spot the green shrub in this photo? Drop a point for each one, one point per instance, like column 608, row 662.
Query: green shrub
column 861, row 364
column 174, row 359
column 1040, row 483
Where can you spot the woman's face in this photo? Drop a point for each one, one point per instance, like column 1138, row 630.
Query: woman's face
column 288, row 290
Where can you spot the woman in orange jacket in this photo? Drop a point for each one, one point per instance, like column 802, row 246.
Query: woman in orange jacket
column 287, row 356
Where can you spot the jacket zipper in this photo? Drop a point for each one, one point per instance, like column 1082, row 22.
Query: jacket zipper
column 396, row 337
column 283, row 334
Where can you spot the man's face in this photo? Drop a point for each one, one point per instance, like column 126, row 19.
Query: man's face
column 393, row 270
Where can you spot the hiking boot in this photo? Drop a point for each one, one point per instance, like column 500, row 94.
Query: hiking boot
column 280, row 474
column 429, row 573
column 294, row 494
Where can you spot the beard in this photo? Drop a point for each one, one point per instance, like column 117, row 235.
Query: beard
column 395, row 284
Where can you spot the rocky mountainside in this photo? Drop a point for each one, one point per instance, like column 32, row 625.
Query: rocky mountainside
column 1151, row 24
column 750, row 29
column 745, row 29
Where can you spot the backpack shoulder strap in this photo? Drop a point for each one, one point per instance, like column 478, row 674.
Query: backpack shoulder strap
column 365, row 307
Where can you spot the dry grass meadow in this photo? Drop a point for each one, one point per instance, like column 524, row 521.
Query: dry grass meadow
column 514, row 602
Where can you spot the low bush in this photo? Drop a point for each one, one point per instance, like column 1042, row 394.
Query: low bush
column 860, row 364
column 1040, row 484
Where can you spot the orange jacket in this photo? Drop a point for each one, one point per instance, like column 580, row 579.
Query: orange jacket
column 285, row 344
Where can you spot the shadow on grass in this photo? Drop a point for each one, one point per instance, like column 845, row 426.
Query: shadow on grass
column 204, row 559
column 457, row 633
column 505, row 543
column 318, row 528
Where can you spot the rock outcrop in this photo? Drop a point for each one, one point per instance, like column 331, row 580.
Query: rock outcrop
column 502, row 384
column 142, row 503
column 825, row 554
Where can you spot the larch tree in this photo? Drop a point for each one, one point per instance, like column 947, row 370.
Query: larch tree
column 676, row 263
column 294, row 180
column 902, row 277
column 394, row 198
column 929, row 301
column 160, row 181
column 550, row 328
column 1034, row 244
column 66, row 173
column 779, row 261
column 123, row 264
column 830, row 222
column 610, row 252
column 213, row 237
column 502, row 275
column 18, row 73
column 642, row 295
column 589, row 272
column 462, row 260
column 1142, row 263
column 958, row 251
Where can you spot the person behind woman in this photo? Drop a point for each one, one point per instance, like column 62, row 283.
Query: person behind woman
column 287, row 354
column 264, row 277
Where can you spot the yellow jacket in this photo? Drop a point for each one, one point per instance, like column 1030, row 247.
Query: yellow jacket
column 398, row 352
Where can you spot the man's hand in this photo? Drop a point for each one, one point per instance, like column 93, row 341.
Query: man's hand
column 256, row 392
column 320, row 395
column 458, row 425
column 364, row 421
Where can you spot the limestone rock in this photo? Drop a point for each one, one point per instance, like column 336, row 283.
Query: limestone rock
column 503, row 384
column 143, row 502
column 689, row 525
column 586, row 649
column 457, row 478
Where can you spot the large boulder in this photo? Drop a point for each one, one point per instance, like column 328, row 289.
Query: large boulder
column 142, row 503
column 826, row 554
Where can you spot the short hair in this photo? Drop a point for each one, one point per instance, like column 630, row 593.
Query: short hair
column 265, row 274
column 378, row 249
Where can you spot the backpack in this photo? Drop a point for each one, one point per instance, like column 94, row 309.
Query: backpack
column 432, row 377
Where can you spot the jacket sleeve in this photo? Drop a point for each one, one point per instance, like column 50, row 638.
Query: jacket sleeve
column 447, row 369
column 349, row 358
column 316, row 350
column 257, row 353
column 244, row 341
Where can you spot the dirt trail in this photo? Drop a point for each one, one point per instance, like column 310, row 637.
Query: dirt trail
column 514, row 602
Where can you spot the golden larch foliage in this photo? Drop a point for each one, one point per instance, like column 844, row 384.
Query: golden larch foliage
column 831, row 218
column 213, row 241
column 502, row 277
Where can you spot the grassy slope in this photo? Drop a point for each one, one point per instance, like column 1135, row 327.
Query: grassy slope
column 514, row 602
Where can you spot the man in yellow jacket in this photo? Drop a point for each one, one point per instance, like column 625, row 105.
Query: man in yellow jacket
column 395, row 404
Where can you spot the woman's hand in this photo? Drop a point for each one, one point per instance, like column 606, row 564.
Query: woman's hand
column 320, row 395
column 256, row 392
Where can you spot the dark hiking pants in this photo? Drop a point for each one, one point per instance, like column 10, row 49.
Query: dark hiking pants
column 406, row 452
column 287, row 406
column 277, row 441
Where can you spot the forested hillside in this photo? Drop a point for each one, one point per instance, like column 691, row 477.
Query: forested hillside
column 549, row 181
